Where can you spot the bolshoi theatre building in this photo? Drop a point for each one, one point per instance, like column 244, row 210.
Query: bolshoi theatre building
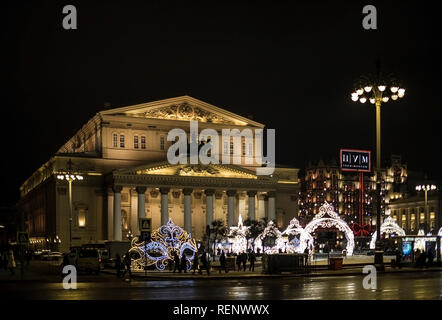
column 121, row 156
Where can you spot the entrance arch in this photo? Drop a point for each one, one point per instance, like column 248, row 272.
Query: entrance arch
column 389, row 226
column 333, row 220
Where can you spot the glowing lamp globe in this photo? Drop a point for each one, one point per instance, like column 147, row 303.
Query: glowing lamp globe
column 363, row 100
column 367, row 88
column 381, row 88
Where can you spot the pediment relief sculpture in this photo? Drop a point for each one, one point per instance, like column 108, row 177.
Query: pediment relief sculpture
column 185, row 112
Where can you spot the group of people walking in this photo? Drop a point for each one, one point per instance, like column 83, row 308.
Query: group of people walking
column 243, row 257
column 123, row 266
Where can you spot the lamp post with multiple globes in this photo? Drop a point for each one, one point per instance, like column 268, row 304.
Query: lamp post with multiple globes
column 426, row 188
column 69, row 175
column 377, row 90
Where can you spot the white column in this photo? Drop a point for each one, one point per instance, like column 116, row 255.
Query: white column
column 110, row 215
column 251, row 195
column 141, row 212
column 231, row 207
column 118, row 233
column 261, row 207
column 164, row 205
column 209, row 206
column 272, row 207
column 187, row 210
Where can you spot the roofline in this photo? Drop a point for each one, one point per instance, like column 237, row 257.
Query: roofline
column 178, row 99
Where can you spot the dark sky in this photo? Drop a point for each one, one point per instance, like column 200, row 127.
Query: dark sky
column 291, row 64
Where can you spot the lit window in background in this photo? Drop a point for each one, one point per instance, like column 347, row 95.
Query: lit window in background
column 82, row 218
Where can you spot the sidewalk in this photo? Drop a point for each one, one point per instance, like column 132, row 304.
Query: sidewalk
column 349, row 271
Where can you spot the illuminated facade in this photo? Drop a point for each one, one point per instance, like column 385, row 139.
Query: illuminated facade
column 411, row 215
column 327, row 183
column 122, row 154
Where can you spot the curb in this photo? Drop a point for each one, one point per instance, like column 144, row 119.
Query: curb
column 266, row 276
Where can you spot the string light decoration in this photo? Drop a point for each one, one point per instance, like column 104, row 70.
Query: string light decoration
column 294, row 230
column 238, row 236
column 270, row 241
column 333, row 220
column 165, row 241
column 389, row 226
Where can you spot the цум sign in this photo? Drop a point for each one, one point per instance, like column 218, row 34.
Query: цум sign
column 355, row 160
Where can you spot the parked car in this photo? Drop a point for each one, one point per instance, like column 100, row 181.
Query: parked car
column 37, row 254
column 89, row 260
column 55, row 255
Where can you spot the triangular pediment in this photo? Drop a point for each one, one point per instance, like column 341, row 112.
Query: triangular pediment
column 191, row 170
column 183, row 108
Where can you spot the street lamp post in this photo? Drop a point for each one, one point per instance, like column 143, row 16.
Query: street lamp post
column 69, row 175
column 426, row 188
column 377, row 90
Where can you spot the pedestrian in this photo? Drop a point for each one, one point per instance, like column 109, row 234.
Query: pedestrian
column 118, row 264
column 11, row 261
column 398, row 258
column 127, row 263
column 222, row 262
column 238, row 261
column 195, row 263
column 205, row 263
column 176, row 262
column 5, row 259
column 183, row 264
column 244, row 260
column 252, row 259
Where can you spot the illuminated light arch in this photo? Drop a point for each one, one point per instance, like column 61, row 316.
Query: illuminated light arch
column 389, row 226
column 165, row 240
column 237, row 236
column 333, row 220
column 270, row 231
column 439, row 233
column 294, row 229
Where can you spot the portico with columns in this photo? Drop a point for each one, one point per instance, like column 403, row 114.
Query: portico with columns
column 190, row 199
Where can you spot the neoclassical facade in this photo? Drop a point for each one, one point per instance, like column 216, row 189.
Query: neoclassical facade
column 122, row 155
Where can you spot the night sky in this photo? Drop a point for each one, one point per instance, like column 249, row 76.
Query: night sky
column 291, row 65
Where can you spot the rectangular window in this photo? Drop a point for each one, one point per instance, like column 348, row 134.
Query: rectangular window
column 121, row 140
column 115, row 139
column 226, row 148
column 162, row 143
column 143, row 142
column 82, row 218
column 136, row 142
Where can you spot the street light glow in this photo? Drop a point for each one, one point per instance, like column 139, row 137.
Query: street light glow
column 360, row 91
column 363, row 99
column 381, row 88
column 367, row 88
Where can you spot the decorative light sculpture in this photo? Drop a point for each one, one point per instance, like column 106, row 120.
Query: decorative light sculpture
column 420, row 242
column 165, row 241
column 294, row 230
column 439, row 233
column 333, row 220
column 270, row 241
column 237, row 236
column 389, row 226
